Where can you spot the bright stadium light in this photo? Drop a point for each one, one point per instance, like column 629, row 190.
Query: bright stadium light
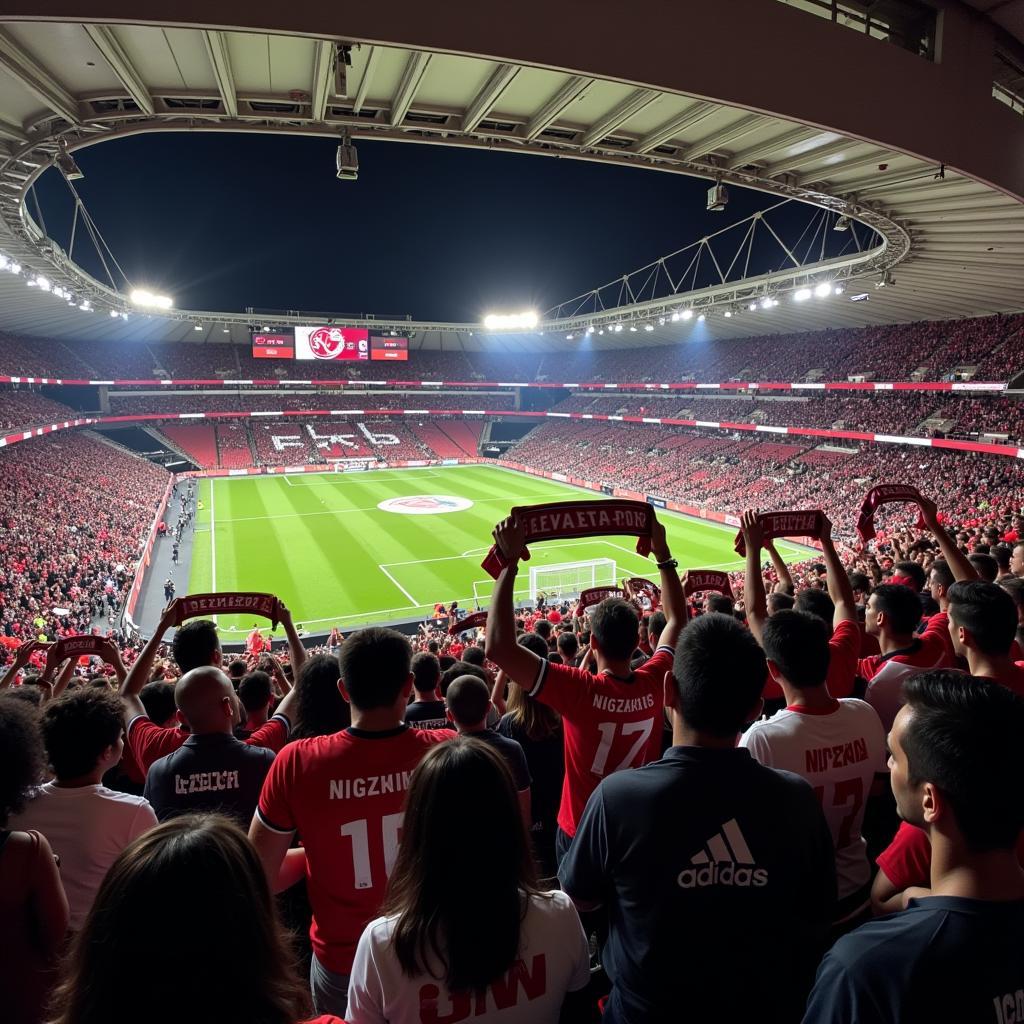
column 728, row 313
column 823, row 289
column 838, row 290
column 801, row 294
column 113, row 314
column 687, row 314
column 589, row 331
column 632, row 329
column 511, row 321
column 568, row 337
column 144, row 297
column 648, row 327
column 198, row 327
column 701, row 318
column 766, row 303
column 752, row 307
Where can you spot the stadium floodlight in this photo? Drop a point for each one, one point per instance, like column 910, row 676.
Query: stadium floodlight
column 198, row 327
column 568, row 337
column 842, row 224
column 589, row 331
column 617, row 328
column 661, row 321
column 225, row 330
column 752, row 307
column 766, row 303
column 66, row 162
column 675, row 317
column 701, row 318
column 822, row 290
column 728, row 313
column 113, row 314
column 687, row 314
column 511, row 321
column 144, row 297
column 42, row 283
column 14, row 268
column 347, row 159
column 649, row 327
column 601, row 331
column 85, row 305
column 838, row 290
column 632, row 329
column 801, row 294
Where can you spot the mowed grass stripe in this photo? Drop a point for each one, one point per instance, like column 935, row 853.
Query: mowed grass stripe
column 320, row 547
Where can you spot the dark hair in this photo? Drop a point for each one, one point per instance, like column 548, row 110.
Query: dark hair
column 616, row 626
column 319, row 709
column 943, row 574
column 719, row 673
column 463, row 835
column 860, row 581
column 195, row 644
column 987, row 566
column 987, row 612
column 255, row 690
column 1002, row 554
column 461, row 668
column 26, row 695
column 816, row 603
column 656, row 623
column 468, row 700
column 778, row 602
column 534, row 642
column 963, row 736
column 913, row 571
column 22, row 758
column 798, row 644
column 900, row 603
column 474, row 655
column 568, row 646
column 426, row 671
column 543, row 629
column 719, row 603
column 78, row 726
column 1014, row 586
column 374, row 665
column 231, row 931
column 158, row 699
column 236, row 669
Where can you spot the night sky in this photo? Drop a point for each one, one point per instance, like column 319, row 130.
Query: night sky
column 223, row 222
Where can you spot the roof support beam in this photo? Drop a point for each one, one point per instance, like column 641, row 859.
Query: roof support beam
column 842, row 167
column 670, row 129
column 793, row 137
column 415, row 69
column 12, row 131
column 22, row 66
column 811, row 156
column 720, row 140
column 631, row 105
column 573, row 90
column 364, row 82
column 483, row 102
column 120, row 63
column 220, row 60
column 323, row 77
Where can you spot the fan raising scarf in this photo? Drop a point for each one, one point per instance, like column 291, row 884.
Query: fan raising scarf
column 882, row 495
column 639, row 587
column 559, row 520
column 249, row 602
column 698, row 580
column 806, row 523
column 595, row 595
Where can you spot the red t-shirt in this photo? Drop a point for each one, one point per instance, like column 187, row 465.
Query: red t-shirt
column 931, row 653
column 608, row 723
column 148, row 742
column 554, row 616
column 907, row 860
column 844, row 650
column 343, row 794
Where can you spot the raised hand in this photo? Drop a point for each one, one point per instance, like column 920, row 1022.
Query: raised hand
column 510, row 538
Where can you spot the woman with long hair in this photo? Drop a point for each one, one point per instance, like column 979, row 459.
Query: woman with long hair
column 466, row 932
column 320, row 709
column 538, row 730
column 183, row 929
column 33, row 907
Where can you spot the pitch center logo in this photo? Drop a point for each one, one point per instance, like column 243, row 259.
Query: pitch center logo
column 425, row 504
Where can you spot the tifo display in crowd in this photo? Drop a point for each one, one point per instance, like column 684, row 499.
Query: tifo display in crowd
column 514, row 740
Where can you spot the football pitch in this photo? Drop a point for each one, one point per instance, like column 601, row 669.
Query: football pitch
column 323, row 543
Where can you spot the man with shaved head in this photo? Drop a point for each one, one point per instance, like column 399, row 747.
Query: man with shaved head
column 212, row 770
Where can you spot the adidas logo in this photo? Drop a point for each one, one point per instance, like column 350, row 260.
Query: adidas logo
column 725, row 860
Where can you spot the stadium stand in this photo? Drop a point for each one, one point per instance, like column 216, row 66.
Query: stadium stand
column 197, row 440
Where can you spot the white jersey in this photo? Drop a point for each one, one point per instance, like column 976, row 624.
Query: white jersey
column 838, row 753
column 553, row 959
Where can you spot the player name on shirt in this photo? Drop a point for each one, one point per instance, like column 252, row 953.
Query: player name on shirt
column 438, row 1006
column 623, row 705
column 371, row 785
column 838, row 756
column 1009, row 1008
column 205, row 782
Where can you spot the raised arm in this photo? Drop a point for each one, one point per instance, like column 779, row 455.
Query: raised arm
column 142, row 669
column 296, row 652
column 673, row 602
column 500, row 645
column 785, row 584
column 753, row 587
column 64, row 677
column 839, row 588
column 21, row 658
column 957, row 561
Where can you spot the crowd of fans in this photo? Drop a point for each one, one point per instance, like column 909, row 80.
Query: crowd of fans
column 993, row 346
column 126, row 404
column 843, row 737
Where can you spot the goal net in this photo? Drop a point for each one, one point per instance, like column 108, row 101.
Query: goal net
column 569, row 579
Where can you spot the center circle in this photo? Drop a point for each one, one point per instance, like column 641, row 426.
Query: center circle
column 425, row 504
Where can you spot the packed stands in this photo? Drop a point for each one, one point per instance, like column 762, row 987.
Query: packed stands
column 22, row 408
column 242, row 401
column 233, row 450
column 197, row 440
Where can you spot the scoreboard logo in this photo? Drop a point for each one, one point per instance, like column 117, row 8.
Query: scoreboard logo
column 425, row 505
column 329, row 343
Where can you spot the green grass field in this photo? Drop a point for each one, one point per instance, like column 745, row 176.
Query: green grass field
column 320, row 542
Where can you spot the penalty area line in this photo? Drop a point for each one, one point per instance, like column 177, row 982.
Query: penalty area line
column 412, row 600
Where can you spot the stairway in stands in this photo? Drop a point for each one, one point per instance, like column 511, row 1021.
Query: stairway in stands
column 233, row 446
column 436, row 439
column 464, row 434
column 198, row 441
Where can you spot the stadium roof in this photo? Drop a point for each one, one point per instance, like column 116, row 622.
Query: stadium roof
column 952, row 246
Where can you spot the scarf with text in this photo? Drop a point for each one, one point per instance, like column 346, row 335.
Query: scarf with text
column 247, row 602
column 699, row 580
column 73, row 647
column 595, row 595
column 882, row 495
column 639, row 587
column 469, row 622
column 560, row 520
column 805, row 523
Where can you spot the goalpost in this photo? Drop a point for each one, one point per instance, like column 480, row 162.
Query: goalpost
column 570, row 579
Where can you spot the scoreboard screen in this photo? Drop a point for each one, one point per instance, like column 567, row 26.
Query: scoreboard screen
column 332, row 343
column 384, row 348
column 273, row 346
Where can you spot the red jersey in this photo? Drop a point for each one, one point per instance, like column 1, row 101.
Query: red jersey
column 844, row 651
column 608, row 723
column 147, row 742
column 343, row 794
column 930, row 650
